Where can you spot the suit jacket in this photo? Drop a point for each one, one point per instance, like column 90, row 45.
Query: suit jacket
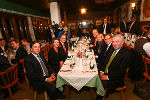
column 123, row 28
column 20, row 54
column 4, row 63
column 49, row 36
column 5, row 49
column 134, row 28
column 101, row 28
column 62, row 50
column 102, row 56
column 138, row 46
column 35, row 72
column 55, row 58
column 117, row 69
column 57, row 31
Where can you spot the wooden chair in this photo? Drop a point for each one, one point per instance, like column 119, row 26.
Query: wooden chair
column 120, row 89
column 35, row 94
column 9, row 78
column 146, row 62
column 24, row 71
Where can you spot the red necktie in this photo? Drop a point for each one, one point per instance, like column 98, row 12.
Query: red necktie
column 95, row 42
column 64, row 48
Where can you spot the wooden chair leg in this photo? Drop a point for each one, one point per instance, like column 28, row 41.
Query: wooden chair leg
column 67, row 92
column 91, row 93
column 45, row 95
column 122, row 95
column 104, row 95
column 35, row 92
column 27, row 80
column 10, row 93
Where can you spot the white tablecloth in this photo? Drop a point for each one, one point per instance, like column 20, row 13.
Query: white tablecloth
column 78, row 76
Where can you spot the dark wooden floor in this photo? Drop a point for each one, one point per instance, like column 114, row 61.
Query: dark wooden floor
column 27, row 94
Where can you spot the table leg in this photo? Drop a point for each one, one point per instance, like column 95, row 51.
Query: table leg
column 91, row 93
column 67, row 92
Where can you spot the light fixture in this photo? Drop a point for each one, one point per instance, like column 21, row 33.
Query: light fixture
column 133, row 4
column 84, row 23
column 83, row 10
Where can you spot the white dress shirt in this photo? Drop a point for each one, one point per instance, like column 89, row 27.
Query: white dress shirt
column 146, row 48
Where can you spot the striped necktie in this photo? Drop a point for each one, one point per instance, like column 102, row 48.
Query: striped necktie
column 43, row 65
column 110, row 60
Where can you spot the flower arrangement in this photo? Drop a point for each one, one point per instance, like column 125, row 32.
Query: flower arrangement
column 6, row 52
column 79, row 54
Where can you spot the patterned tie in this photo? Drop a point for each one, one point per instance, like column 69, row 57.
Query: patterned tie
column 64, row 48
column 110, row 60
column 43, row 65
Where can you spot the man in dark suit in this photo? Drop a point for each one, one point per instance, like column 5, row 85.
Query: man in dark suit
column 104, row 28
column 112, row 73
column 50, row 33
column 64, row 45
column 20, row 54
column 133, row 26
column 123, row 25
column 139, row 43
column 3, row 46
column 4, row 65
column 40, row 72
column 58, row 29
column 107, row 49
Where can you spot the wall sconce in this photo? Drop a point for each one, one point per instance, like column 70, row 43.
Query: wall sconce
column 83, row 10
column 133, row 4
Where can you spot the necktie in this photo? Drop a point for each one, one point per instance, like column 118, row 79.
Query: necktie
column 104, row 32
column 64, row 48
column 43, row 66
column 110, row 60
column 95, row 42
column 124, row 24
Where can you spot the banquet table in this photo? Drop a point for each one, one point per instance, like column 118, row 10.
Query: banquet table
column 77, row 72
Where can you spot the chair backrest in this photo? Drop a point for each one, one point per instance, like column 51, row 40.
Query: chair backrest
column 9, row 77
column 146, row 62
column 22, row 62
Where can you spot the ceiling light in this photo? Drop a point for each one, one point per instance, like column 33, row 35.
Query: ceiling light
column 133, row 4
column 83, row 10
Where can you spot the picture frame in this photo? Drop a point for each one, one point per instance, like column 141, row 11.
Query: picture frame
column 72, row 25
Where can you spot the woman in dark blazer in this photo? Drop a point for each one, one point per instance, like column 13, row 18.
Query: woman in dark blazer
column 100, row 47
column 55, row 56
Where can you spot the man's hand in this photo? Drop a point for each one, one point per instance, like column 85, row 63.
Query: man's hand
column 61, row 63
column 104, row 77
column 91, row 46
column 101, row 74
column 51, row 79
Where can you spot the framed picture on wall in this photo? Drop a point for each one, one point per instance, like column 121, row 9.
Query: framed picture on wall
column 98, row 22
column 72, row 25
column 145, row 10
